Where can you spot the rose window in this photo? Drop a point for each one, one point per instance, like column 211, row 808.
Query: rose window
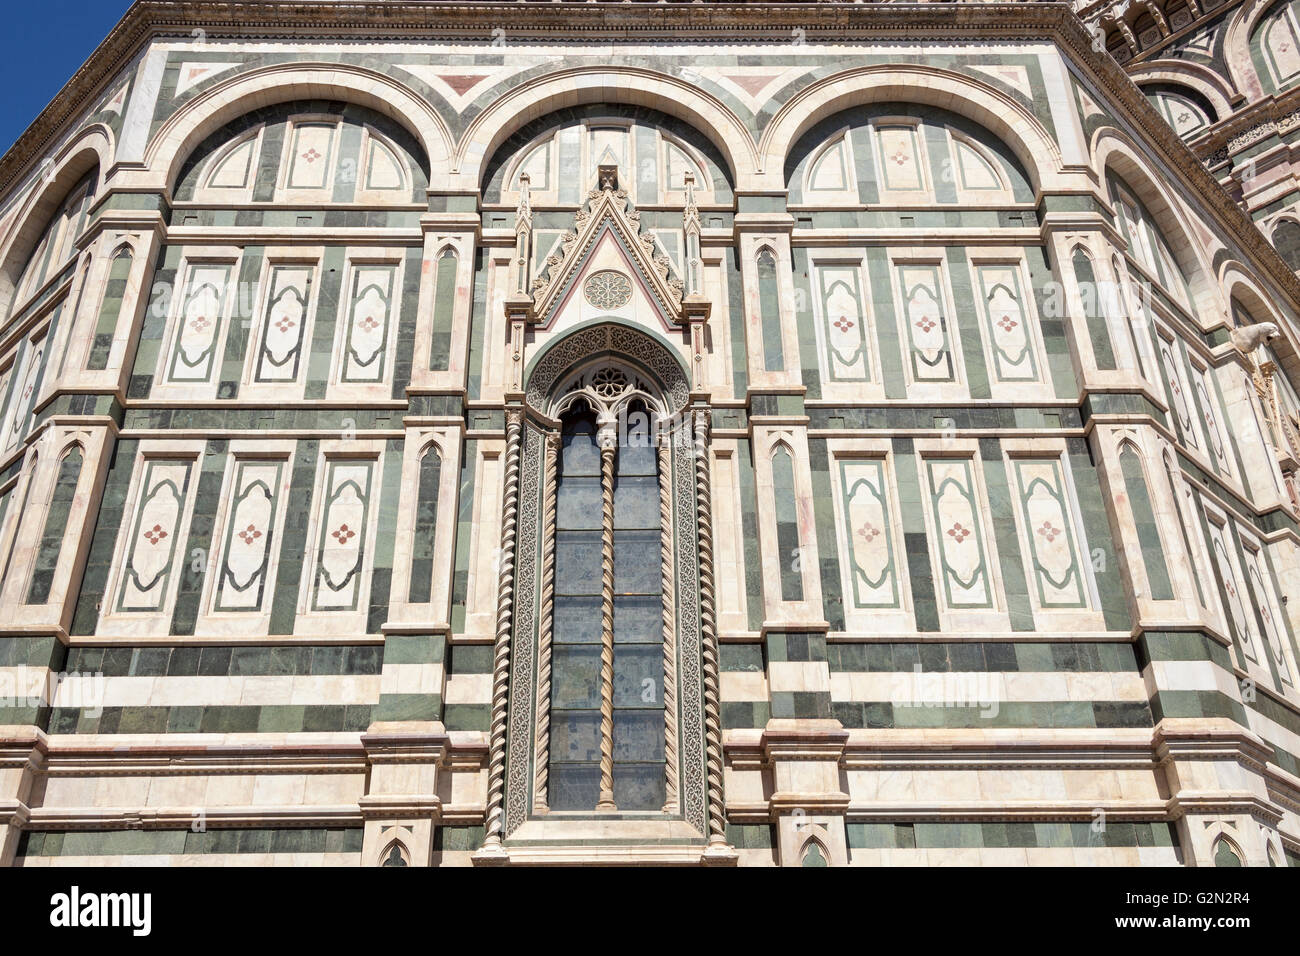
column 608, row 289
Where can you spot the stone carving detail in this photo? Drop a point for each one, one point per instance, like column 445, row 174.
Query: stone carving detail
column 691, row 709
column 670, row 625
column 708, row 629
column 542, row 734
column 608, row 289
column 1250, row 337
column 505, row 609
column 688, row 783
column 588, row 343
column 522, row 700
column 608, row 446
column 608, row 292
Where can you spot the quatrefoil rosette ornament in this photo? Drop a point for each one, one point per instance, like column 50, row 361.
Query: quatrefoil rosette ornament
column 608, row 289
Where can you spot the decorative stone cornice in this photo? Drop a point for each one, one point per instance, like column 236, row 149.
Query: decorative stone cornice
column 1279, row 113
column 1203, row 738
column 1218, row 803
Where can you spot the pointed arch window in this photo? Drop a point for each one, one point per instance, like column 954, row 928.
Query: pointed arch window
column 607, row 743
column 426, row 526
column 1225, row 854
column 110, row 309
column 57, row 242
column 787, row 524
column 1286, row 239
column 612, row 670
column 1094, row 310
column 50, row 545
column 1144, row 518
column 769, row 308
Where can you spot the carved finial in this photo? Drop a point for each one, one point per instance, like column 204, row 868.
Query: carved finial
column 524, row 211
column 523, row 236
column 691, row 228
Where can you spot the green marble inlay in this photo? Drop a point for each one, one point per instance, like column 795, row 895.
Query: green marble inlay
column 1148, row 533
column 444, row 307
column 1090, row 291
column 426, row 517
column 787, row 525
column 56, row 523
column 769, row 307
column 110, row 308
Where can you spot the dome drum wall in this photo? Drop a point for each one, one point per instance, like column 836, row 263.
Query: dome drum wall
column 643, row 445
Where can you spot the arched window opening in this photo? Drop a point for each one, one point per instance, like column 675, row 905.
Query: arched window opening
column 769, row 306
column 787, row 524
column 1144, row 517
column 1094, row 309
column 57, row 242
column 426, row 527
column 607, row 683
column 1225, row 854
column 814, row 855
column 50, row 545
column 109, row 310
column 394, row 856
column 1286, row 240
column 444, row 307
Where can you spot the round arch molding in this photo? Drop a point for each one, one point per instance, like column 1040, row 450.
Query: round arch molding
column 927, row 86
column 586, row 86
column 1194, row 76
column 92, row 149
column 182, row 133
column 1112, row 150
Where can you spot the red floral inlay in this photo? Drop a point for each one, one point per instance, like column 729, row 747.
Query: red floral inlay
column 250, row 534
column 311, row 155
column 344, row 534
column 200, row 323
column 1048, row 532
column 155, row 534
column 868, row 532
column 901, row 158
column 367, row 324
column 1007, row 323
column 925, row 323
column 285, row 324
column 958, row 533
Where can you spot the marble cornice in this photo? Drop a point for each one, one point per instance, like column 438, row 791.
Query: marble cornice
column 1279, row 113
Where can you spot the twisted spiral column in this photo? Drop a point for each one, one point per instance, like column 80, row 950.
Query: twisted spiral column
column 709, row 633
column 670, row 627
column 607, row 447
column 545, row 624
column 505, row 613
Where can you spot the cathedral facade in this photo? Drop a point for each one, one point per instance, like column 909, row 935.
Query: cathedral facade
column 790, row 434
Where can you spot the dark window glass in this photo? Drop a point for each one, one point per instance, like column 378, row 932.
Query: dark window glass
column 638, row 692
column 574, row 770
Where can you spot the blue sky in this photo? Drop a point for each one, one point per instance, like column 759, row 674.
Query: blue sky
column 42, row 43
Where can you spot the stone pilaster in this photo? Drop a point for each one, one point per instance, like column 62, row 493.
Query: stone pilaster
column 402, row 806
